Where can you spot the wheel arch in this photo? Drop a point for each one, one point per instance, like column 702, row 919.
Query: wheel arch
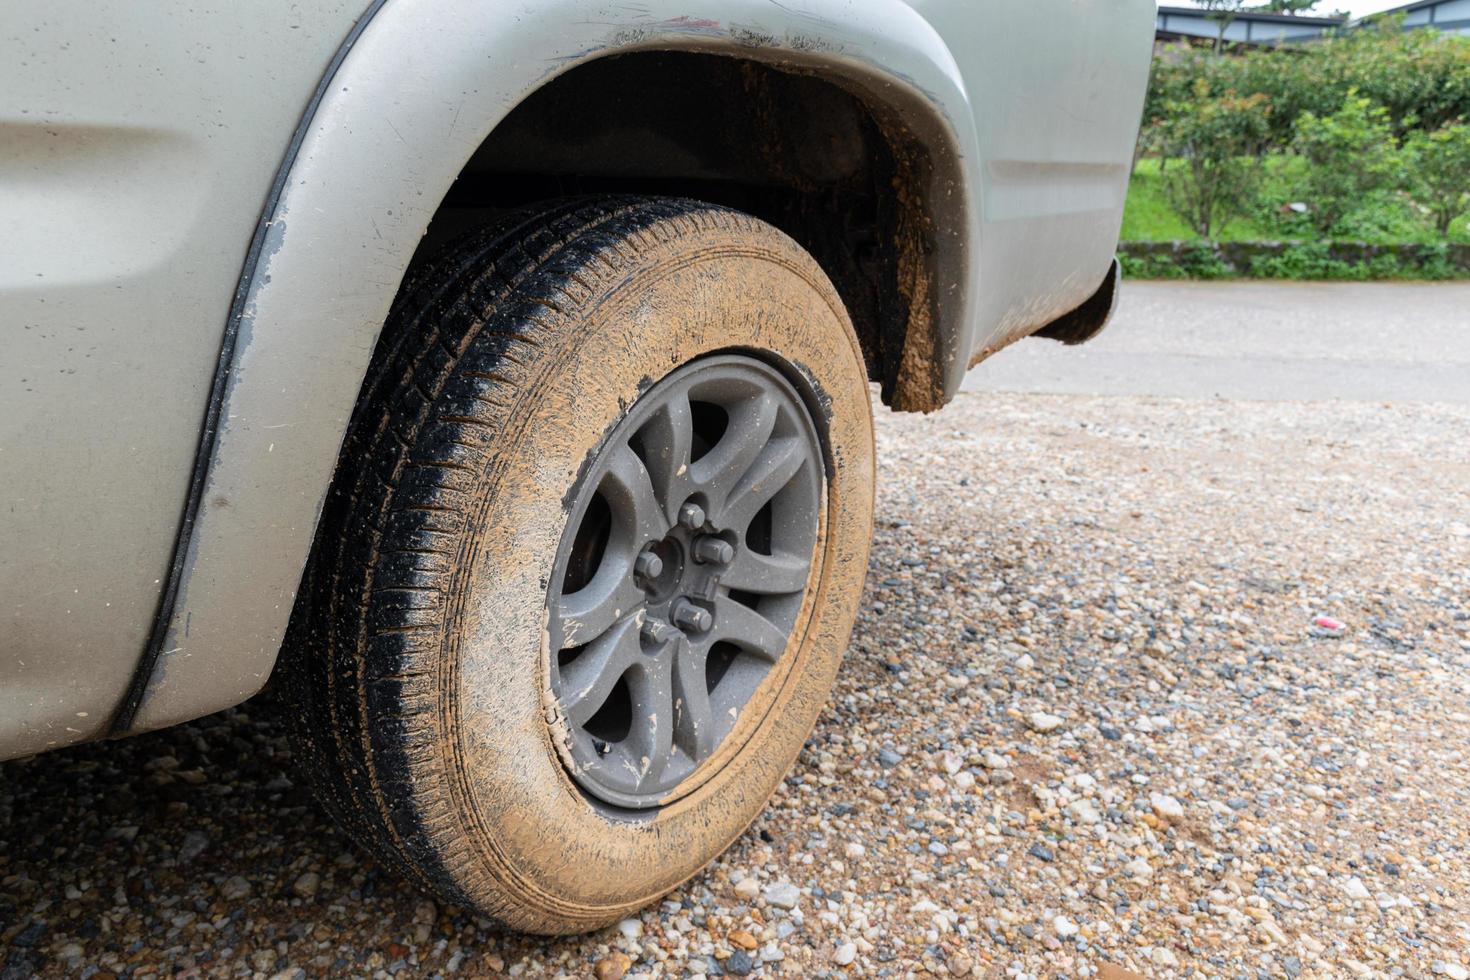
column 414, row 97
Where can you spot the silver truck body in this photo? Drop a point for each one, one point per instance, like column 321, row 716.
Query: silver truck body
column 206, row 210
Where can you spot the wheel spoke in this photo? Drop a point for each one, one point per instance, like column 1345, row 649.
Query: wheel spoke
column 746, row 435
column 666, row 441
column 741, row 625
column 587, row 681
column 767, row 476
column 694, row 728
column 629, row 492
column 766, row 574
column 587, row 613
column 650, row 742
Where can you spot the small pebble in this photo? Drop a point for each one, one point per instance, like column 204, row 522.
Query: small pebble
column 782, row 894
column 613, row 966
column 1166, row 807
column 1042, row 721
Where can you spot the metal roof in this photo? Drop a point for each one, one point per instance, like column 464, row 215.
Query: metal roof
column 1405, row 8
column 1458, row 22
column 1262, row 16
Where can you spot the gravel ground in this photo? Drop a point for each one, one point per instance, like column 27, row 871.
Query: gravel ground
column 1180, row 690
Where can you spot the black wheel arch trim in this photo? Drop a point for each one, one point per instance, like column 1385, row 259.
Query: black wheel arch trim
column 127, row 709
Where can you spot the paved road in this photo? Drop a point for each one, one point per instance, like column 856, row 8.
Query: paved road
column 1395, row 342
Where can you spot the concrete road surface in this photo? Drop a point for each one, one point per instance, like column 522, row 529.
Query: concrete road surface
column 1259, row 341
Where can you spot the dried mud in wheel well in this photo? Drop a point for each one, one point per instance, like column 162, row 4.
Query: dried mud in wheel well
column 832, row 167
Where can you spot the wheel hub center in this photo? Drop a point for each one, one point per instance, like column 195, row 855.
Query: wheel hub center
column 681, row 576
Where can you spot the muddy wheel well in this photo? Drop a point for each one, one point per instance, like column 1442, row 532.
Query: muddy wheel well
column 822, row 160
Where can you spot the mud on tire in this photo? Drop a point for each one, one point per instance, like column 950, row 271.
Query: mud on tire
column 418, row 663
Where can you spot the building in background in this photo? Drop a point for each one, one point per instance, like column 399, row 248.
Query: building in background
column 1449, row 16
column 1253, row 27
column 1261, row 28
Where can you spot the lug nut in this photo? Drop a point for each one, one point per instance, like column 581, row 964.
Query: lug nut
column 691, row 515
column 691, row 617
column 648, row 564
column 711, row 550
column 655, row 631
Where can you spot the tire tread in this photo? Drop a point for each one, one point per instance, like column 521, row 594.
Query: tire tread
column 457, row 351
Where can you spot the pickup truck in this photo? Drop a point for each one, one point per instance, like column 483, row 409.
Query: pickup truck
column 496, row 379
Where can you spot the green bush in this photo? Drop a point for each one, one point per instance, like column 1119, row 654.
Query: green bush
column 1421, row 77
column 1148, row 216
column 1195, row 260
column 1314, row 260
column 1437, row 173
column 1384, row 218
column 1435, row 263
column 1387, row 217
column 1351, row 156
column 1213, row 143
column 1301, row 261
column 1360, row 137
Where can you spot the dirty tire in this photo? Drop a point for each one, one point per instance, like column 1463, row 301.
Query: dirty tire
column 417, row 665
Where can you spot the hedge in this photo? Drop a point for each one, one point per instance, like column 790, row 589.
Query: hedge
column 1351, row 261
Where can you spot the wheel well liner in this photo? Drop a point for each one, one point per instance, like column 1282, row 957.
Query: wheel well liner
column 841, row 174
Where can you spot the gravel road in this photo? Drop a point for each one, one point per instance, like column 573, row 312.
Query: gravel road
column 1176, row 688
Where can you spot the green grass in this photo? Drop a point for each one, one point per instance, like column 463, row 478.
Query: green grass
column 1148, row 218
column 1387, row 219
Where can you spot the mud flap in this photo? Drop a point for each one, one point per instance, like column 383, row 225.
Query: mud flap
column 1088, row 320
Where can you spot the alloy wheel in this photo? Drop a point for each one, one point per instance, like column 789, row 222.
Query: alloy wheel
column 680, row 578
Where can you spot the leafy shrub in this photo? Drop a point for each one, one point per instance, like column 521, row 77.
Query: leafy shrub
column 1313, row 260
column 1298, row 261
column 1434, row 263
column 1437, row 174
column 1384, row 217
column 1194, row 260
column 1350, row 155
column 1421, row 77
column 1212, row 142
column 1366, row 128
